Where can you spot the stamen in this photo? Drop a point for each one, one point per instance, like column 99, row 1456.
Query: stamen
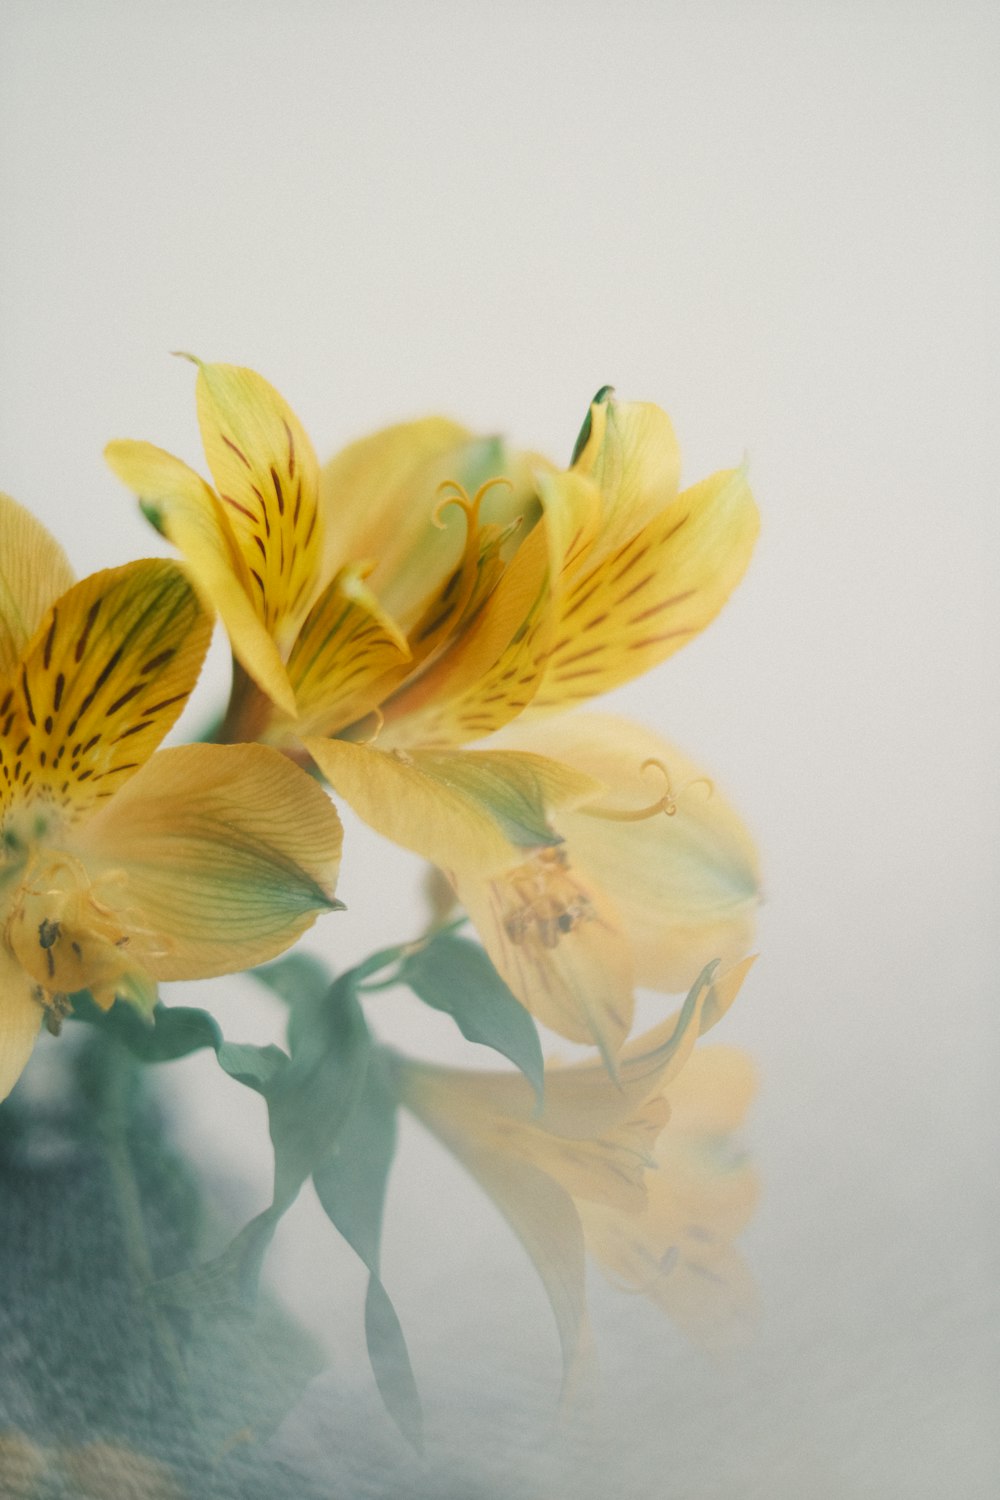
column 453, row 493
column 369, row 739
column 667, row 803
column 547, row 902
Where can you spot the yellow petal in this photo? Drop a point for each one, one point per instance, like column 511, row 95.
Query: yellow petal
column 107, row 673
column 266, row 474
column 679, row 1250
column 381, row 496
column 33, row 572
column 342, row 654
column 491, row 673
column 465, row 809
column 711, row 1094
column 225, row 855
column 187, row 511
column 539, row 1210
column 686, row 887
column 556, row 941
column 654, row 592
column 20, row 1018
column 631, row 454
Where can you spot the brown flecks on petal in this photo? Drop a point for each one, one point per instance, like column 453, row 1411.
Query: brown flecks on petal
column 236, row 449
column 84, row 636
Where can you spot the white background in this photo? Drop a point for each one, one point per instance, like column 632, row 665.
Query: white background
column 779, row 222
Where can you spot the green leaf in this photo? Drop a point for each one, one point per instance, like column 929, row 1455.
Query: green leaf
column 456, row 976
column 312, row 1098
column 256, row 1067
column 351, row 1186
column 172, row 1031
column 296, row 976
column 391, row 1363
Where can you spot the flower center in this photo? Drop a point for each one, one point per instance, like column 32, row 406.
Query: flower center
column 70, row 933
column 546, row 901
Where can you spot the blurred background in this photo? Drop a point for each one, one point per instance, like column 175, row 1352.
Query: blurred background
column 780, row 222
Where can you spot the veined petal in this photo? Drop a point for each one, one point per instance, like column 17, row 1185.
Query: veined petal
column 20, row 1018
column 34, row 571
column 629, row 450
column 187, row 511
column 686, row 887
column 652, row 593
column 267, row 476
column 475, row 810
column 556, row 940
column 491, row 672
column 345, row 649
column 226, row 853
column 107, row 673
column 489, row 675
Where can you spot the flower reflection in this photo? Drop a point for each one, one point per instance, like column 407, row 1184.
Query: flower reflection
column 644, row 1175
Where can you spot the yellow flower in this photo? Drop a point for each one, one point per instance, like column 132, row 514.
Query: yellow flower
column 425, row 590
column 640, row 1174
column 120, row 867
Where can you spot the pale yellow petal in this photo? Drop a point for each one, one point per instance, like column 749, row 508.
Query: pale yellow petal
column 631, row 454
column 648, row 596
column 712, row 1092
column 382, row 486
column 225, row 855
column 106, row 675
column 187, row 511
column 267, row 476
column 20, row 1018
column 464, row 809
column 557, row 942
column 382, row 500
column 679, row 1250
column 686, row 886
column 34, row 571
column 539, row 1210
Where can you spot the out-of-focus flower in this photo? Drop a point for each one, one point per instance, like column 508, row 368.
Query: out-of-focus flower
column 118, row 867
column 93, row 1471
column 642, row 1174
column 374, row 628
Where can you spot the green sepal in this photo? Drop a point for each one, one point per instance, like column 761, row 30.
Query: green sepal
column 583, row 437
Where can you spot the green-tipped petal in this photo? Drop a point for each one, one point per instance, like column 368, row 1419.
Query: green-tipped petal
column 462, row 810
column 226, row 854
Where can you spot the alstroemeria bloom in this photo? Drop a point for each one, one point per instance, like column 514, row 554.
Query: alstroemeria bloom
column 120, row 867
column 639, row 1173
column 425, row 590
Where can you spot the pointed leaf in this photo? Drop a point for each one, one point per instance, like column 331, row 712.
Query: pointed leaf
column 296, row 976
column 391, row 1363
column 456, row 976
column 351, row 1186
